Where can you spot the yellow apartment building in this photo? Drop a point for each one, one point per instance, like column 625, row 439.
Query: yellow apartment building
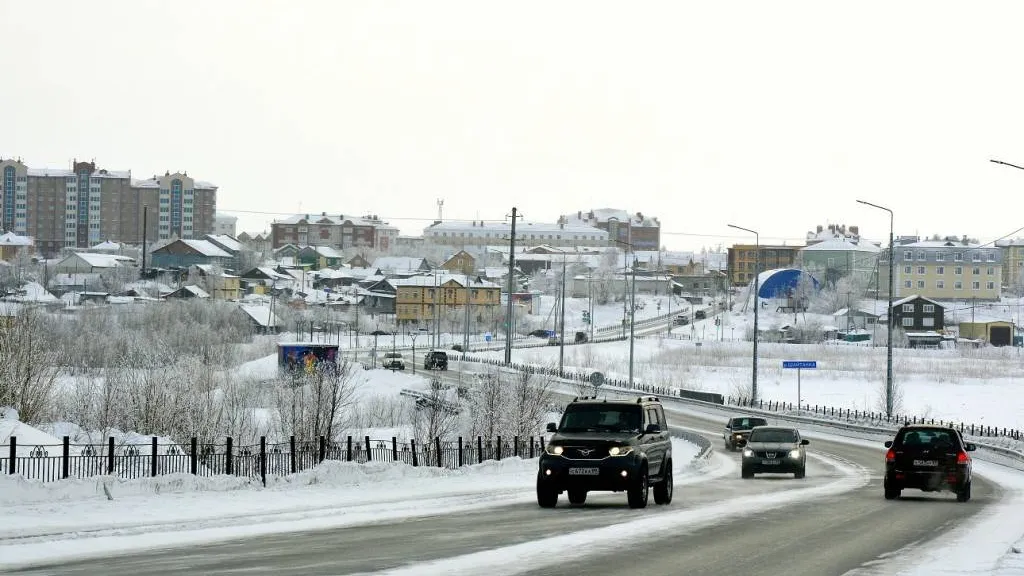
column 419, row 298
column 943, row 270
column 742, row 259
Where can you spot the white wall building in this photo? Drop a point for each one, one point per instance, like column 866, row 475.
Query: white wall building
column 482, row 233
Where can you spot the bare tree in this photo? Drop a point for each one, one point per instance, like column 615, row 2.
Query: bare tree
column 314, row 404
column 436, row 415
column 530, row 396
column 486, row 401
column 28, row 365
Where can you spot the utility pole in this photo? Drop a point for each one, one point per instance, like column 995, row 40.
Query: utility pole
column 511, row 283
column 561, row 329
column 145, row 216
column 465, row 332
column 632, row 317
column 757, row 306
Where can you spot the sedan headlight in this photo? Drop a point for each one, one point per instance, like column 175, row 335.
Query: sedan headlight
column 794, row 453
column 737, row 435
column 620, row 450
column 748, row 453
column 555, row 450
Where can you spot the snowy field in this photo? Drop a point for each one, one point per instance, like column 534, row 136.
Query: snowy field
column 981, row 386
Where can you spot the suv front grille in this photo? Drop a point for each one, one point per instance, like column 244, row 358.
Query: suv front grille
column 585, row 452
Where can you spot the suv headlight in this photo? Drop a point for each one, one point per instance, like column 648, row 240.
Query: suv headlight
column 748, row 453
column 794, row 453
column 620, row 450
column 554, row 450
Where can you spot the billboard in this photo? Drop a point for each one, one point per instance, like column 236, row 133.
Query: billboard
column 306, row 357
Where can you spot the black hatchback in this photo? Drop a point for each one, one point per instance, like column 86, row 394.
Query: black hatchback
column 928, row 458
column 436, row 360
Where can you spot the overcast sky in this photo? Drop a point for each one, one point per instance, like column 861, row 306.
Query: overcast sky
column 770, row 115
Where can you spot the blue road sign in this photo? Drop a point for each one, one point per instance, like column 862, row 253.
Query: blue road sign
column 800, row 364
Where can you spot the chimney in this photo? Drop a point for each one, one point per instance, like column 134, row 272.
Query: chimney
column 819, row 228
column 579, row 214
column 965, row 242
column 323, row 213
column 855, row 230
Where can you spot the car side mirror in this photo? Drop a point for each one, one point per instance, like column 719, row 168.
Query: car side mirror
column 652, row 429
column 805, row 442
column 971, row 447
column 552, row 427
column 888, row 443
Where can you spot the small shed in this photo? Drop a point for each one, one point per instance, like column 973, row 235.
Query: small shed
column 995, row 332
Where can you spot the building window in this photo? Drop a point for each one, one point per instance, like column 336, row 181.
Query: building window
column 940, row 270
column 940, row 256
column 920, row 256
column 908, row 284
column 975, row 286
column 940, row 284
column 958, row 256
column 928, row 308
column 959, row 270
column 920, row 283
column 976, row 271
column 958, row 286
column 908, row 255
column 920, row 269
column 908, row 307
column 991, row 271
column 976, row 257
column 908, row 322
column 991, row 285
column 908, row 270
column 928, row 322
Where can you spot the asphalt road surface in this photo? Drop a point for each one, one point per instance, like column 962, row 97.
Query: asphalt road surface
column 819, row 538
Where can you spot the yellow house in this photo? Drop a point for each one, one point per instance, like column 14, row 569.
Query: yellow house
column 419, row 298
column 461, row 263
column 220, row 285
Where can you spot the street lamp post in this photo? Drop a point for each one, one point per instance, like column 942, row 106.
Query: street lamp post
column 888, row 344
column 757, row 306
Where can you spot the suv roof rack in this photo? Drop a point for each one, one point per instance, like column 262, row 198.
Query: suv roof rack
column 578, row 398
column 642, row 399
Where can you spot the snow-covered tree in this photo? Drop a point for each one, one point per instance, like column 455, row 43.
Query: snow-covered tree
column 28, row 365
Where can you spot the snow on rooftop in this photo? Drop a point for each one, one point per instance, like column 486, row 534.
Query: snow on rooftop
column 225, row 241
column 261, row 314
column 12, row 239
column 842, row 244
column 206, row 248
column 103, row 260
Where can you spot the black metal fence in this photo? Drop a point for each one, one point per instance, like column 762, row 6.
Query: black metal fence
column 66, row 460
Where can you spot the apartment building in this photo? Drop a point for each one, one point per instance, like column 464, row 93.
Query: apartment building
column 339, row 231
column 1013, row 265
column 943, row 270
column 636, row 230
column 742, row 259
column 419, row 298
column 84, row 205
column 481, row 233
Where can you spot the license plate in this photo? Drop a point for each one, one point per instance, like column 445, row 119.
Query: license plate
column 931, row 463
column 770, row 462
column 584, row 471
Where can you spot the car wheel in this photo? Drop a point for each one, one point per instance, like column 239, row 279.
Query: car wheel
column 638, row 491
column 577, row 496
column 800, row 473
column 964, row 494
column 891, row 493
column 663, row 489
column 546, row 496
column 746, row 472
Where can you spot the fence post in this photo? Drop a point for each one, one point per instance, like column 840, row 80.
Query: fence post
column 194, row 457
column 412, row 447
column 394, row 449
column 292, row 455
column 154, row 446
column 348, row 450
column 437, row 446
column 13, row 461
column 515, row 446
column 110, row 455
column 460, row 451
column 323, row 449
column 368, row 455
column 66, row 457
column 499, row 448
column 263, row 460
column 229, row 467
column 479, row 451
column 531, row 447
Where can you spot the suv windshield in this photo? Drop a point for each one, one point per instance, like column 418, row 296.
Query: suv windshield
column 601, row 418
column 748, row 423
column 926, row 438
column 773, row 435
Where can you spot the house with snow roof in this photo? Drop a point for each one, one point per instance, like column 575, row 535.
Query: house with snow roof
column 318, row 257
column 91, row 263
column 183, row 253
column 13, row 246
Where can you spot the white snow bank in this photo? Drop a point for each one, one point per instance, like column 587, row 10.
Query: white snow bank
column 27, row 436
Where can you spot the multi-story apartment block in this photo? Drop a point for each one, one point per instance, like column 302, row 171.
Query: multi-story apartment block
column 636, row 230
column 835, row 258
column 85, row 205
column 1013, row 265
column 742, row 260
column 481, row 233
column 224, row 225
column 943, row 270
column 339, row 231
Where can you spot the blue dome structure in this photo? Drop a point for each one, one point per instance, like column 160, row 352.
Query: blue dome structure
column 780, row 282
